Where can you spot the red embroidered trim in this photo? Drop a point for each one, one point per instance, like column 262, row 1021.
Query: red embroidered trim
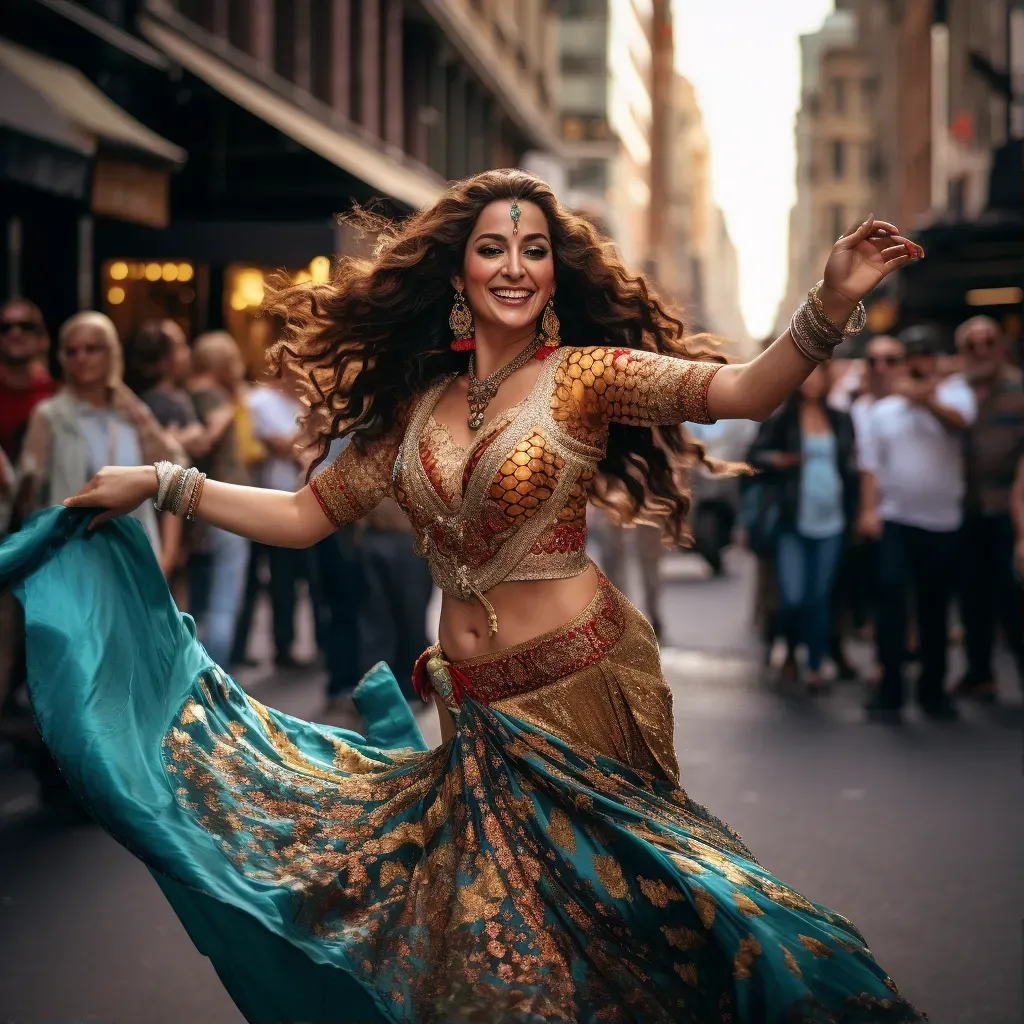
column 528, row 667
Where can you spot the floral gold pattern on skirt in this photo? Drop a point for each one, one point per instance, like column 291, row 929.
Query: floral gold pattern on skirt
column 519, row 873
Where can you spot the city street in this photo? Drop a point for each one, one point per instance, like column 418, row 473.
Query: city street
column 915, row 832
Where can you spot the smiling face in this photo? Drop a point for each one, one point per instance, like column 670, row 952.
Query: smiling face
column 508, row 277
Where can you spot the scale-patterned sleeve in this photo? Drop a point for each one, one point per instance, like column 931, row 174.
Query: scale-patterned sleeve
column 356, row 482
column 596, row 386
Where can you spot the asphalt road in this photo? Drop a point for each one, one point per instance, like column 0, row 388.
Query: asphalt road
column 916, row 833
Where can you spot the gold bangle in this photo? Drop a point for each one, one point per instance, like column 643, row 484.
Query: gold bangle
column 855, row 323
column 193, row 503
column 178, row 491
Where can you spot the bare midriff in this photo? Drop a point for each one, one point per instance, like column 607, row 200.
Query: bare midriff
column 526, row 610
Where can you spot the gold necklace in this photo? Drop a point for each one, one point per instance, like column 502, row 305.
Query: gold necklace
column 482, row 391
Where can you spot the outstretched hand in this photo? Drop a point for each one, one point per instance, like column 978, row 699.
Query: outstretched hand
column 862, row 258
column 116, row 490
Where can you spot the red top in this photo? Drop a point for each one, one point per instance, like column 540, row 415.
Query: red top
column 16, row 405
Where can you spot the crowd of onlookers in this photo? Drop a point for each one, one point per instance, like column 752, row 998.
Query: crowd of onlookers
column 155, row 396
column 889, row 491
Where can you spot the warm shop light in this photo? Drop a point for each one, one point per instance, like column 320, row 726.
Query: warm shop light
column 119, row 270
column 185, row 272
column 320, row 269
column 170, row 272
column 247, row 290
column 115, row 296
column 153, row 271
column 995, row 296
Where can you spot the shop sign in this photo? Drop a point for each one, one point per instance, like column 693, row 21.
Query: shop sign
column 132, row 192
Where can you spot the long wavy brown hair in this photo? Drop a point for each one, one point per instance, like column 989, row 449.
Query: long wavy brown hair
column 367, row 342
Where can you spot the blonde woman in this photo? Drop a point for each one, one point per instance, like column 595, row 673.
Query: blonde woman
column 94, row 421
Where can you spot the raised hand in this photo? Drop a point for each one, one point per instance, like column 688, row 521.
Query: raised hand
column 860, row 260
column 117, row 490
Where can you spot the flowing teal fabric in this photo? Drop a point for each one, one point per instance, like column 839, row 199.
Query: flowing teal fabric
column 335, row 878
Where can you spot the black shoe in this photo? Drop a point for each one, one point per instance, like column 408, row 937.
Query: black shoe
column 883, row 711
column 288, row 663
column 976, row 687
column 940, row 711
column 244, row 662
column 845, row 672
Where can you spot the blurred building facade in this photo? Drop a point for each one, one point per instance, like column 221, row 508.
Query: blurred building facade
column 936, row 126
column 279, row 114
column 605, row 57
column 702, row 256
column 836, row 159
column 951, row 154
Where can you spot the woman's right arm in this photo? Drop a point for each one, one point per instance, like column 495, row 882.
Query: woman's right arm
column 350, row 487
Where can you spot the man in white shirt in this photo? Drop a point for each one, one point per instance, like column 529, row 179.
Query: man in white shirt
column 912, row 490
column 855, row 593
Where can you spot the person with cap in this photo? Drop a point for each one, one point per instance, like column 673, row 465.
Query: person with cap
column 912, row 492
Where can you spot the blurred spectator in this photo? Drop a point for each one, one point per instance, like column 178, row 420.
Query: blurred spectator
column 995, row 444
column 912, row 493
column 1017, row 514
column 858, row 588
column 24, row 377
column 393, row 610
column 715, row 497
column 274, row 412
column 846, row 382
column 806, row 452
column 95, row 421
column 338, row 592
column 218, row 562
column 614, row 543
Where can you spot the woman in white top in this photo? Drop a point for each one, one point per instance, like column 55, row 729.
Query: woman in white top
column 93, row 421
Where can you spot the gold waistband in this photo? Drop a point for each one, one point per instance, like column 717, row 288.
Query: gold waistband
column 529, row 665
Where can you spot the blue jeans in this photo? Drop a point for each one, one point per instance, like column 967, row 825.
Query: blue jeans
column 806, row 569
column 216, row 585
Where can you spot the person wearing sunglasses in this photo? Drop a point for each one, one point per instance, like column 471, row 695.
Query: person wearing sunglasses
column 995, row 443
column 24, row 378
column 912, row 489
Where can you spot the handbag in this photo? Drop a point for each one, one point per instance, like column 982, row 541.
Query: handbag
column 761, row 514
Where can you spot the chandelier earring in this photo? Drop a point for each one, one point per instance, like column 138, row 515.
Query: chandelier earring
column 461, row 323
column 549, row 330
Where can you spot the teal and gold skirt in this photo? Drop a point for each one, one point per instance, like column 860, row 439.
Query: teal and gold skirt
column 543, row 865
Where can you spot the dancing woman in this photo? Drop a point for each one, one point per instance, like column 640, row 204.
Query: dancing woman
column 543, row 864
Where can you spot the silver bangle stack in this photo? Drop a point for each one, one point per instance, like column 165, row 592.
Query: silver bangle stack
column 815, row 335
column 178, row 489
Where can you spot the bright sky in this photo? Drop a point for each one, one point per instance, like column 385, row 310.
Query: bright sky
column 743, row 57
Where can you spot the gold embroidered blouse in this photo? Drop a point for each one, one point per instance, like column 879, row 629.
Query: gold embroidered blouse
column 512, row 506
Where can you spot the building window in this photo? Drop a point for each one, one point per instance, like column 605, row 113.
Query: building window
column 240, row 25
column 836, row 225
column 284, row 39
column 868, row 92
column 200, row 13
column 838, row 159
column 839, row 95
column 589, row 176
column 320, row 57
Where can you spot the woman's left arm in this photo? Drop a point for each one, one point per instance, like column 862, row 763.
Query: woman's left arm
column 857, row 263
